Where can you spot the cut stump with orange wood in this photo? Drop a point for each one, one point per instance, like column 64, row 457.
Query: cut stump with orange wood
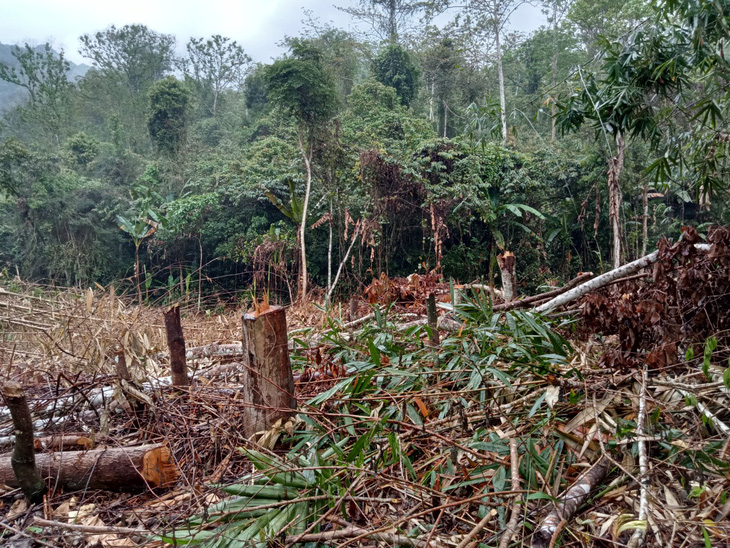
column 112, row 469
column 268, row 383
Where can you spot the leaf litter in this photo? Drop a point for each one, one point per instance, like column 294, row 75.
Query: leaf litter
column 397, row 441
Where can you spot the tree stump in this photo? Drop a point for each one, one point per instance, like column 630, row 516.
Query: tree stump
column 176, row 343
column 22, row 464
column 432, row 319
column 506, row 263
column 268, row 383
column 354, row 302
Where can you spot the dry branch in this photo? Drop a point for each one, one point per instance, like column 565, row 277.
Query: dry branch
column 515, row 516
column 569, row 502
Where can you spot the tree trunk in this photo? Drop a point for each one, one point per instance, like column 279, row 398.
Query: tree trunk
column 506, row 263
column 432, row 319
column 268, row 383
column 605, row 279
column 137, row 275
column 306, row 155
column 329, row 259
column 554, row 63
column 353, row 308
column 446, row 119
column 21, row 468
column 615, row 198
column 500, row 74
column 645, row 219
column 114, row 468
column 176, row 343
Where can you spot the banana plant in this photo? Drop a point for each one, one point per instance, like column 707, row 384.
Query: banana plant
column 142, row 226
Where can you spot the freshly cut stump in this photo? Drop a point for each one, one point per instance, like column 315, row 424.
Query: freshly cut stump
column 268, row 383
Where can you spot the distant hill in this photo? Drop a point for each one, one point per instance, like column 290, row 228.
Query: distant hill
column 10, row 94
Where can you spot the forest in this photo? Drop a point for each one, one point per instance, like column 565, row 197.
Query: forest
column 408, row 149
column 504, row 259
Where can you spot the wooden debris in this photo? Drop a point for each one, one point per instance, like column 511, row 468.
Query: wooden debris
column 114, row 469
column 569, row 502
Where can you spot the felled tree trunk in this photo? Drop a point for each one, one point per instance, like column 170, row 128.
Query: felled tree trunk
column 268, row 383
column 506, row 263
column 113, row 469
column 176, row 343
column 21, row 467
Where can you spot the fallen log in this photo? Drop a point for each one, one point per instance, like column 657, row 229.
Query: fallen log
column 605, row 279
column 112, row 469
column 527, row 301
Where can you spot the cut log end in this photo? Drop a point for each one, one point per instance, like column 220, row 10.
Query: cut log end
column 158, row 468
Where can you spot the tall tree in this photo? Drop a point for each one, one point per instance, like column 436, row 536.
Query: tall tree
column 168, row 110
column 395, row 67
column 137, row 54
column 301, row 87
column 215, row 64
column 390, row 19
column 492, row 16
column 44, row 74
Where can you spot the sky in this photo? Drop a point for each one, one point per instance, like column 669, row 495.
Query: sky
column 257, row 25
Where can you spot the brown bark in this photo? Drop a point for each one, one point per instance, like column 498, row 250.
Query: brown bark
column 268, row 383
column 21, row 466
column 432, row 319
column 120, row 363
column 353, row 308
column 176, row 343
column 114, row 469
column 569, row 502
column 506, row 262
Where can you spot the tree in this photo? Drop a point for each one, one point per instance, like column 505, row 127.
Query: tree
column 557, row 10
column 44, row 74
column 394, row 67
column 441, row 63
column 492, row 16
column 389, row 19
column 649, row 89
column 135, row 53
column 169, row 101
column 215, row 64
column 303, row 89
column 605, row 18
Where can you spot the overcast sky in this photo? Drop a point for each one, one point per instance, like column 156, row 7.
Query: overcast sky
column 257, row 25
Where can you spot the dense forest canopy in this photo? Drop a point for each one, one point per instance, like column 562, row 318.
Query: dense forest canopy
column 415, row 146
